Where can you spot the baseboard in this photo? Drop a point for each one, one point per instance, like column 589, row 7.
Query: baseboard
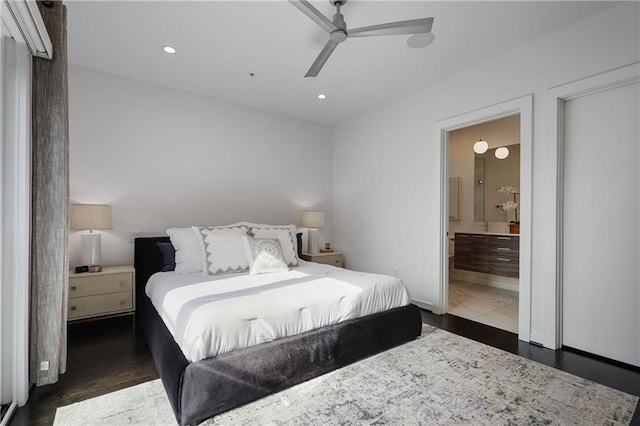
column 536, row 338
column 426, row 305
column 6, row 418
column 489, row 280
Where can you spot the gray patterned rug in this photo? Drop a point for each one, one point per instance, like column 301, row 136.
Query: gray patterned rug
column 440, row 378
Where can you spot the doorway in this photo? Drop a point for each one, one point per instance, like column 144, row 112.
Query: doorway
column 521, row 107
column 483, row 226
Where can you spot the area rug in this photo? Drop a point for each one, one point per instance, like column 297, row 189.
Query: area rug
column 440, row 378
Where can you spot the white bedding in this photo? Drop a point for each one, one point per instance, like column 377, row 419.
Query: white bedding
column 212, row 315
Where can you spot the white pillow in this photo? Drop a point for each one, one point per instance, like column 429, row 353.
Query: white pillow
column 188, row 250
column 264, row 255
column 222, row 249
column 285, row 233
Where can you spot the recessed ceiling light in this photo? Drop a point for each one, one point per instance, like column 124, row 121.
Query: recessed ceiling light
column 322, row 96
column 169, row 49
column 417, row 41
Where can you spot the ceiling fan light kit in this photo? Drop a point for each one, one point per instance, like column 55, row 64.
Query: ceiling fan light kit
column 420, row 29
column 420, row 40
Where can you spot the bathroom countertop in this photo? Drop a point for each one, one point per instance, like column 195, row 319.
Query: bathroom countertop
column 487, row 233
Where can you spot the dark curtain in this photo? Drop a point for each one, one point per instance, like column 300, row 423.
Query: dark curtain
column 50, row 203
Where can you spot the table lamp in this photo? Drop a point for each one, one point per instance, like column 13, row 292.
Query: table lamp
column 313, row 220
column 90, row 217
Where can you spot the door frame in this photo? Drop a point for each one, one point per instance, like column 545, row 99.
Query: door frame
column 523, row 106
column 554, row 102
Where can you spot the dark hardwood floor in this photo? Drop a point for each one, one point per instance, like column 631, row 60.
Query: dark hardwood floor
column 103, row 356
column 108, row 355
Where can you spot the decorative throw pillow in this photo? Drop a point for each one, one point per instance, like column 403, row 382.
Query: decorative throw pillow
column 188, row 249
column 168, row 254
column 223, row 250
column 287, row 236
column 264, row 255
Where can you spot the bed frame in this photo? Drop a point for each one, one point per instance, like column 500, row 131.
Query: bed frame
column 202, row 389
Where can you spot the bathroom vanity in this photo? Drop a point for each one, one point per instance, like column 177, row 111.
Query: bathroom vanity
column 488, row 253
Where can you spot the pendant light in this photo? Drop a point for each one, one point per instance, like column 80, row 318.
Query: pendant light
column 502, row 153
column 480, row 147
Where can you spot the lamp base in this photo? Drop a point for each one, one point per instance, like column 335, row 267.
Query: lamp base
column 313, row 241
column 90, row 246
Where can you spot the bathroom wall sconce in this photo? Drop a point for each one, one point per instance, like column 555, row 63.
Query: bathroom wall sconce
column 480, row 147
column 502, row 153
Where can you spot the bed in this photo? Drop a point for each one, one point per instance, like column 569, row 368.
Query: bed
column 200, row 386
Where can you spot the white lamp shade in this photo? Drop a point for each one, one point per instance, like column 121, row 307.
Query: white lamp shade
column 90, row 216
column 480, row 147
column 502, row 153
column 312, row 219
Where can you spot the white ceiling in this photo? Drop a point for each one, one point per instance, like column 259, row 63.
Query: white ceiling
column 221, row 42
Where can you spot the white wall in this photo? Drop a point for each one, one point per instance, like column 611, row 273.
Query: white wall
column 387, row 161
column 164, row 158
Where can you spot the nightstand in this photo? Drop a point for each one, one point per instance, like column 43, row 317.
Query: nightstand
column 333, row 258
column 97, row 294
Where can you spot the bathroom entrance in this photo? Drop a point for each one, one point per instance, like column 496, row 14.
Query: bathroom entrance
column 483, row 222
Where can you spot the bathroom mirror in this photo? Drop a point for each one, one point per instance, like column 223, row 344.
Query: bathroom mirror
column 490, row 173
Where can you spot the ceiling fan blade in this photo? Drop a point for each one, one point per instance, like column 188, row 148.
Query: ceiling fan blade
column 305, row 7
column 317, row 65
column 413, row 26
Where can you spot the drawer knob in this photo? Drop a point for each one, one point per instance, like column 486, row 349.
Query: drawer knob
column 503, row 248
column 73, row 308
column 73, row 288
column 503, row 259
column 123, row 282
column 504, row 238
column 123, row 301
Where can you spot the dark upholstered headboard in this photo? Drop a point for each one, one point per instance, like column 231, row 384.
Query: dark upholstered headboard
column 147, row 260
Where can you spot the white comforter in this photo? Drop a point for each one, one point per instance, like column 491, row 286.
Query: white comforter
column 212, row 315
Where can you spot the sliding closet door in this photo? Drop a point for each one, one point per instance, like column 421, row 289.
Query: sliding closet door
column 601, row 233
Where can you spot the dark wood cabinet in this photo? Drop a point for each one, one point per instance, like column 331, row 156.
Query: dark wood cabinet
column 462, row 251
column 487, row 253
column 480, row 253
column 505, row 255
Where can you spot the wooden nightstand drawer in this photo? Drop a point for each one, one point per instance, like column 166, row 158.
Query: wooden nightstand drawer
column 334, row 258
column 104, row 304
column 89, row 286
column 101, row 293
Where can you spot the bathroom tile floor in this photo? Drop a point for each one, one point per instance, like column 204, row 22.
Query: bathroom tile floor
column 487, row 305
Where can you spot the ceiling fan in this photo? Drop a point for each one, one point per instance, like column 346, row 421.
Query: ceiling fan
column 338, row 32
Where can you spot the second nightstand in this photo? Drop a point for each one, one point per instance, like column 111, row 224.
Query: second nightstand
column 333, row 258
